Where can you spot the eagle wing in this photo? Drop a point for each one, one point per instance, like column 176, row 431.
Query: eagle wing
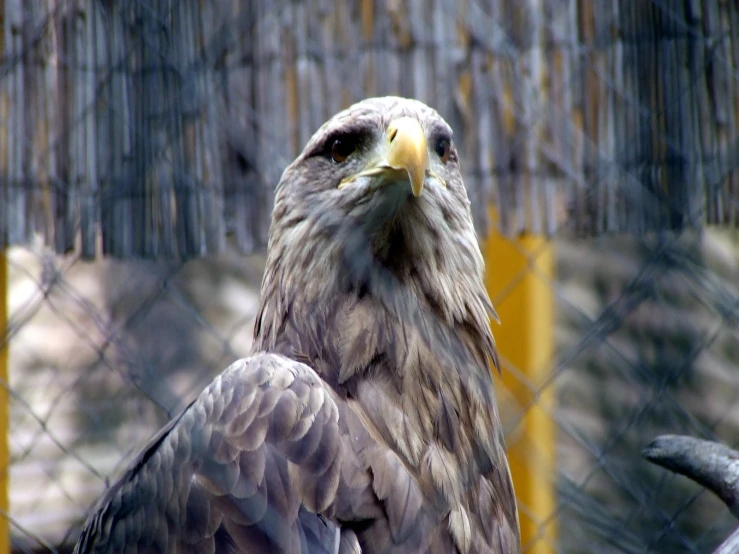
column 266, row 459
column 244, row 468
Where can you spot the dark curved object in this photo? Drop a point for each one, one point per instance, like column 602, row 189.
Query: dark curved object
column 710, row 464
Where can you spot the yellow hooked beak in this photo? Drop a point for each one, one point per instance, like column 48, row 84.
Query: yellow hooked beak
column 405, row 152
column 408, row 151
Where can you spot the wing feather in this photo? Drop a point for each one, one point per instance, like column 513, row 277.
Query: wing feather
column 236, row 470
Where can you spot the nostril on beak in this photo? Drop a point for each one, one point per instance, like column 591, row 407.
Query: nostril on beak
column 393, row 134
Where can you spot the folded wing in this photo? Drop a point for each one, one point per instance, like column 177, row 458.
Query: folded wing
column 245, row 468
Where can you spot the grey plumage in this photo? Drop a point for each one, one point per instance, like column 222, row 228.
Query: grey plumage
column 365, row 420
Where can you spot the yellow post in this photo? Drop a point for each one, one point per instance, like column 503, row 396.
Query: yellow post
column 518, row 279
column 4, row 406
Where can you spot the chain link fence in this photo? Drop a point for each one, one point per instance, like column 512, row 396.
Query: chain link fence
column 606, row 129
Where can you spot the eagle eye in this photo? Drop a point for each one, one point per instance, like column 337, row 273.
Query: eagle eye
column 443, row 149
column 341, row 148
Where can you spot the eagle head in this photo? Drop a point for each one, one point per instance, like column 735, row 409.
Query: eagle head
column 376, row 200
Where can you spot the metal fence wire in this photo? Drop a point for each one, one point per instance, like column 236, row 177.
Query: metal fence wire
column 140, row 141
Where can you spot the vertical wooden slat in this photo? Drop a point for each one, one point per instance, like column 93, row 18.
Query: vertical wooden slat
column 330, row 45
column 442, row 57
column 76, row 153
column 245, row 186
column 169, row 168
column 198, row 180
column 134, row 28
column 5, row 139
column 118, row 198
column 61, row 91
column 420, row 68
column 709, row 53
column 483, row 85
column 292, row 94
column 30, row 118
column 305, row 97
column 46, row 135
column 503, row 124
column 688, row 202
column 479, row 150
column 629, row 134
column 261, row 50
column 722, row 89
column 90, row 198
column 13, row 50
column 272, row 132
column 390, row 68
column 260, row 145
column 368, row 46
column 534, row 104
column 162, row 108
column 590, row 97
column 214, row 222
column 187, row 170
column 599, row 115
column 563, row 133
column 615, row 105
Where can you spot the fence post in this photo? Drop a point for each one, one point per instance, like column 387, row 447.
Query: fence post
column 4, row 406
column 518, row 277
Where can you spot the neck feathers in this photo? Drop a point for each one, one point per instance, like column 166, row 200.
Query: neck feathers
column 402, row 291
column 404, row 311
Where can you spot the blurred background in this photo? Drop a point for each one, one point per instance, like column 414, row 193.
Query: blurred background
column 140, row 141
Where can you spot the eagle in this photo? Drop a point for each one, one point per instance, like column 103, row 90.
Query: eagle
column 364, row 420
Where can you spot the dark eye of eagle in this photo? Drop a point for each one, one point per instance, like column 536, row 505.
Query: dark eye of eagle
column 342, row 147
column 443, row 149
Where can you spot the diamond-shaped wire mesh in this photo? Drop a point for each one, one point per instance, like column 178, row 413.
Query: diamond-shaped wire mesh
column 570, row 115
